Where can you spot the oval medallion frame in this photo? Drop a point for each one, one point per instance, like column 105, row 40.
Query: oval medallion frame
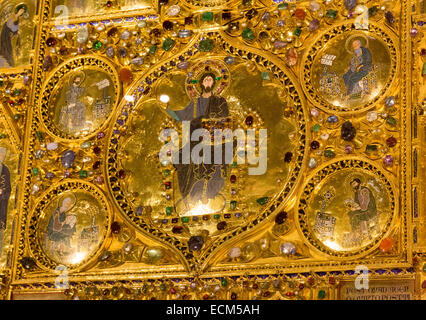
column 307, row 191
column 50, row 89
column 143, row 87
column 381, row 33
column 39, row 214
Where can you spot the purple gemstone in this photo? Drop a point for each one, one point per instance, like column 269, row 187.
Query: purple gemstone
column 279, row 44
column 183, row 65
column 348, row 149
column 350, row 4
column 413, row 32
column 280, row 23
column 388, row 160
column 67, row 174
column 68, row 159
column 314, row 25
column 101, row 135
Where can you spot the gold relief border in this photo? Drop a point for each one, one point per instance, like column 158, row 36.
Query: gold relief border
column 38, row 214
column 286, row 78
column 324, row 172
column 49, row 89
column 317, row 45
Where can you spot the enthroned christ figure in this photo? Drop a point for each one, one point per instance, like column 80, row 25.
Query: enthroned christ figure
column 202, row 182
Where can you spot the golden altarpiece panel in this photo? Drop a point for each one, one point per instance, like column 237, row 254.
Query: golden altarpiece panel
column 320, row 172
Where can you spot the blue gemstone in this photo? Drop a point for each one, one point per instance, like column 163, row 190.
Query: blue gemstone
column 332, row 119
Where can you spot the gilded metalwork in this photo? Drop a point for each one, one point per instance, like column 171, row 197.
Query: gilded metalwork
column 343, row 103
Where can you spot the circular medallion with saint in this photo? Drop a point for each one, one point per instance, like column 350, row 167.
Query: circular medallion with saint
column 346, row 208
column 350, row 70
column 71, row 226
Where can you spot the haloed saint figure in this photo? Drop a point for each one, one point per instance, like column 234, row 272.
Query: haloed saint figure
column 62, row 227
column 5, row 191
column 360, row 66
column 10, row 38
column 202, row 182
column 73, row 113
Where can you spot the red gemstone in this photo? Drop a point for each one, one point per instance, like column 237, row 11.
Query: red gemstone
column 301, row 286
column 331, row 280
column 115, row 227
column 51, row 42
column 206, row 296
column 249, row 121
column 289, row 294
column 300, row 14
column 311, row 281
column 423, row 52
column 221, row 226
column 112, row 32
column 96, row 150
column 315, row 145
column 109, row 4
column 172, row 291
column 233, row 296
column 96, row 165
column 168, row 185
column 63, row 51
column 177, row 230
column 233, row 179
column 424, row 284
column 122, row 174
column 126, row 75
column 266, row 294
column 391, row 142
column 255, row 286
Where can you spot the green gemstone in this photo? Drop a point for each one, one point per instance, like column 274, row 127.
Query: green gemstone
column 1, row 82
column 162, row 287
column 265, row 76
column 185, row 219
column 166, row 173
column 373, row 10
column 424, row 267
column 283, row 6
column 17, row 117
column 194, row 81
column 207, row 16
column 206, row 45
column 218, row 78
column 263, row 201
column 316, row 128
column 36, row 171
column 168, row 44
column 169, row 211
column 82, row 174
column 248, row 34
column 40, row 136
column 97, row 45
column 391, row 121
column 234, row 164
column 224, row 283
column 331, row 14
column 144, row 288
column 86, row 145
column 247, row 2
column 3, row 136
column 297, row 32
column 153, row 50
column 424, row 69
column 216, row 216
column 321, row 294
column 371, row 148
column 233, row 205
column 329, row 153
column 17, row 92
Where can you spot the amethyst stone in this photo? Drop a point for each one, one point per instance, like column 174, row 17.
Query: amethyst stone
column 68, row 159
